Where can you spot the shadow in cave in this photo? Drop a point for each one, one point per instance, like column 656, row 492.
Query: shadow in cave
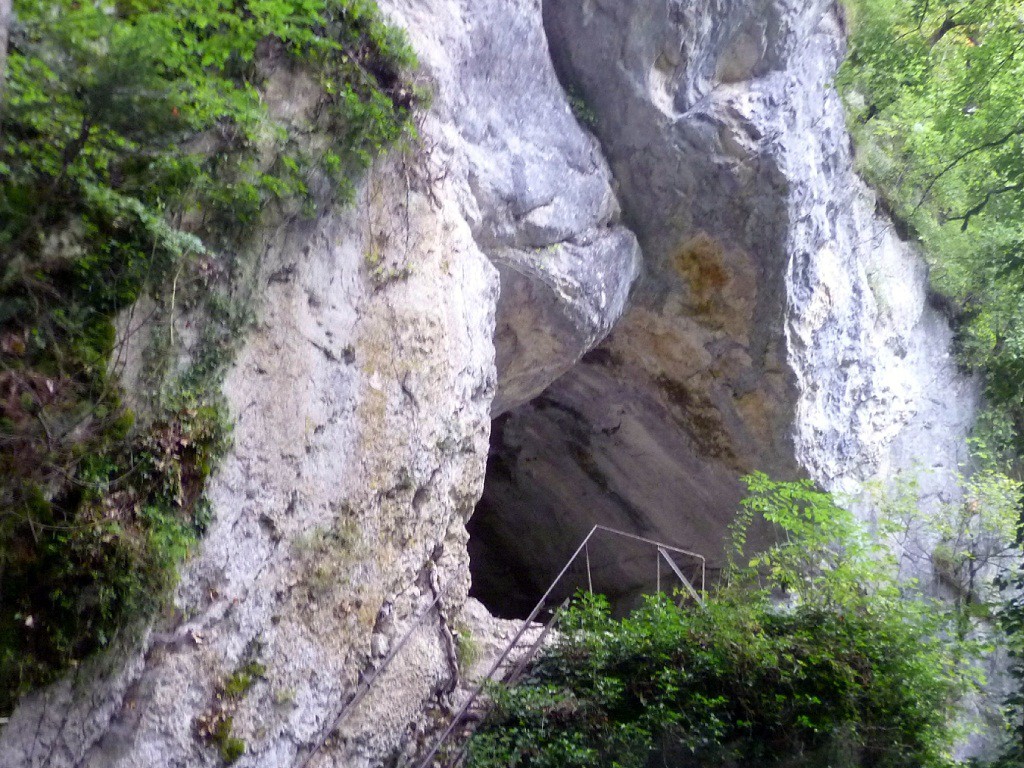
column 515, row 561
column 604, row 445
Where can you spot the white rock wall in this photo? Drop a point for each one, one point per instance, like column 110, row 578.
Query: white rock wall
column 880, row 393
column 774, row 321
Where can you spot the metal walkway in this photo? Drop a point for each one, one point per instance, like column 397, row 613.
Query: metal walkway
column 475, row 709
column 508, row 669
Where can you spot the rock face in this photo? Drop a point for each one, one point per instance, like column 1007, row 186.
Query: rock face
column 535, row 188
column 773, row 321
column 780, row 325
column 362, row 407
column 361, row 419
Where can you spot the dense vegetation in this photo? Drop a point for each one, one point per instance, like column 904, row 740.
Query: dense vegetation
column 811, row 653
column 734, row 683
column 136, row 151
column 933, row 94
column 933, row 89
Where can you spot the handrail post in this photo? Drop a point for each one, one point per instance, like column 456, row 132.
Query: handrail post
column 680, row 575
column 425, row 763
column 590, row 581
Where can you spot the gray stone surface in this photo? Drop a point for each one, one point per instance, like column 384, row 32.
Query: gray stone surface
column 361, row 406
column 536, row 189
column 780, row 325
column 773, row 322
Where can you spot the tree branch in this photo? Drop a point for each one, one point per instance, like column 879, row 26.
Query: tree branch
column 972, row 212
column 1017, row 130
column 949, row 24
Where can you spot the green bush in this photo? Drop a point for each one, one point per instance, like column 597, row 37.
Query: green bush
column 808, row 655
column 732, row 682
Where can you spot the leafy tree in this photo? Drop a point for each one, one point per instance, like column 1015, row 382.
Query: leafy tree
column 967, row 546
column 933, row 92
column 1011, row 618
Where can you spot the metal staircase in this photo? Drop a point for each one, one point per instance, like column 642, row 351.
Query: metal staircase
column 476, row 707
column 449, row 749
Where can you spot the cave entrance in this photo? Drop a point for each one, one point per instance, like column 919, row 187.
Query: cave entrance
column 608, row 445
column 552, row 475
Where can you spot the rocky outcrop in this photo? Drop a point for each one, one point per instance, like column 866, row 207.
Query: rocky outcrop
column 535, row 188
column 780, row 324
column 362, row 403
column 774, row 321
column 5, row 25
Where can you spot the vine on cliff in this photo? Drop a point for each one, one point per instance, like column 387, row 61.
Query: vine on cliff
column 136, row 150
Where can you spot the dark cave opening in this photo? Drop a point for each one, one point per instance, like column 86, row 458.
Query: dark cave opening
column 547, row 485
column 610, row 444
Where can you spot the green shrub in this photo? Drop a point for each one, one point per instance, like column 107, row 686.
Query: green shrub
column 735, row 681
column 808, row 655
column 242, row 679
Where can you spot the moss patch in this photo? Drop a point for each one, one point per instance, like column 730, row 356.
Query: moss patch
column 241, row 679
column 216, row 725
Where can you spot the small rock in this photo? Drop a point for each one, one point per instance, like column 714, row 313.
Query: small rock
column 379, row 645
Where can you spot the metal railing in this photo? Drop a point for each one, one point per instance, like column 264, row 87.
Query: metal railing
column 662, row 553
column 366, row 684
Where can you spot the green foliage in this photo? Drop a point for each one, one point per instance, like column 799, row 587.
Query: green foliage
column 241, row 680
column 136, row 151
column 933, row 93
column 231, row 748
column 467, row 651
column 970, row 542
column 72, row 583
column 808, row 655
column 582, row 111
column 824, row 555
column 1011, row 619
column 737, row 681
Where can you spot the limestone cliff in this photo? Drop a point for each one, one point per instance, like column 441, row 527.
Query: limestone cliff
column 698, row 288
column 780, row 323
